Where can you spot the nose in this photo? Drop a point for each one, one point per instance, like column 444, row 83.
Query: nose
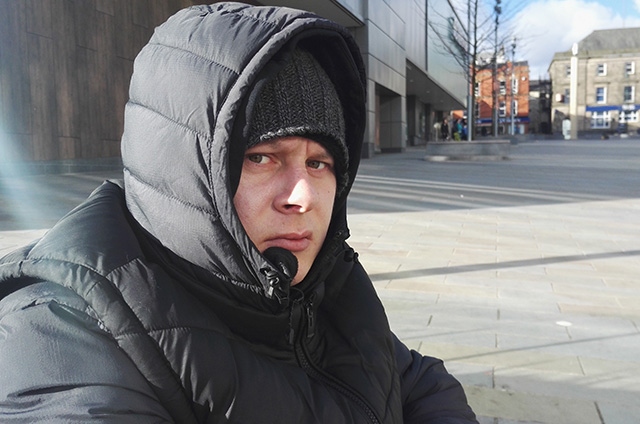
column 297, row 193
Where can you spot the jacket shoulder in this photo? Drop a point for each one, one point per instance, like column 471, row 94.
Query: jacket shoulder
column 46, row 320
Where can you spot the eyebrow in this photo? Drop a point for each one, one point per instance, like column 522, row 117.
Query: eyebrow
column 274, row 142
column 324, row 155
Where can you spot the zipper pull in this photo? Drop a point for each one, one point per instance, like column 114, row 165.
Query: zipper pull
column 295, row 314
column 275, row 288
column 311, row 317
column 292, row 335
column 311, row 321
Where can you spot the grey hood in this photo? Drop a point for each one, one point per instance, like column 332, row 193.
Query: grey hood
column 183, row 140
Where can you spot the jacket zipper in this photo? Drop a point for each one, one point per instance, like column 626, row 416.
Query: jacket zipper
column 303, row 357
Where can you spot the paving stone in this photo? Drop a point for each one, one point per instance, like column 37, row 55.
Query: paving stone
column 623, row 283
column 619, row 413
column 600, row 387
column 537, row 333
column 596, row 310
column 516, row 358
column 526, row 272
column 529, row 408
column 562, row 347
column 629, row 302
column 11, row 240
column 486, row 420
column 434, row 284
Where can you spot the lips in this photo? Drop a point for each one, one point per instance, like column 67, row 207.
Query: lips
column 294, row 242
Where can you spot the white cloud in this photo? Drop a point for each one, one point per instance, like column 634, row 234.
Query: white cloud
column 548, row 26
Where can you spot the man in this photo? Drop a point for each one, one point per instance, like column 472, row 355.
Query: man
column 444, row 130
column 216, row 285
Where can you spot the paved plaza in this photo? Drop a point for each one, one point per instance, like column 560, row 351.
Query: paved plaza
column 523, row 275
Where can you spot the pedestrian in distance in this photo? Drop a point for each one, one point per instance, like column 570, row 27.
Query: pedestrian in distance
column 214, row 284
column 444, row 130
column 458, row 130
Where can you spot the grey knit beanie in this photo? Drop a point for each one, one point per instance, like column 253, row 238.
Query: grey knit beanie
column 300, row 100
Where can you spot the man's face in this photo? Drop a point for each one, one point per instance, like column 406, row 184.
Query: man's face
column 285, row 197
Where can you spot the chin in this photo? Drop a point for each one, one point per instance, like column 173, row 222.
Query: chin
column 299, row 277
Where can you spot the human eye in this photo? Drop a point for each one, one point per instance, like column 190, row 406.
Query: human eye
column 256, row 158
column 318, row 164
column 315, row 164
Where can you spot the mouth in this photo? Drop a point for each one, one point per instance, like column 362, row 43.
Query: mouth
column 293, row 242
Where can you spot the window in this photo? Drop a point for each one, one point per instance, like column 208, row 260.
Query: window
column 514, row 84
column 629, row 116
column 477, row 111
column 503, row 87
column 514, row 108
column 567, row 71
column 601, row 95
column 600, row 119
column 476, row 89
column 630, row 68
column 629, row 94
column 567, row 94
column 502, row 110
column 602, row 69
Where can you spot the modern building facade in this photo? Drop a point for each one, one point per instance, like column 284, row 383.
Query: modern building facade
column 608, row 80
column 65, row 69
column 509, row 91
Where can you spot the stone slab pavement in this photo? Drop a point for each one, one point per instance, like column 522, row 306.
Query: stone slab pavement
column 523, row 275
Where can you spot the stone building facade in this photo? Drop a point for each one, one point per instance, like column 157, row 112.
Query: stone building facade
column 608, row 74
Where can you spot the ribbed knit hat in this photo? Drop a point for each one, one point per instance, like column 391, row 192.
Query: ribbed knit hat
column 300, row 100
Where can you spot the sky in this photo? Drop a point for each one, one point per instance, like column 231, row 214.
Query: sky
column 543, row 27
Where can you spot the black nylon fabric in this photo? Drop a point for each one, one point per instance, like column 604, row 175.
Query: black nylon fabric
column 158, row 275
column 187, row 358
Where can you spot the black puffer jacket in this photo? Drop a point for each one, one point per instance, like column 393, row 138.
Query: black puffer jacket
column 148, row 302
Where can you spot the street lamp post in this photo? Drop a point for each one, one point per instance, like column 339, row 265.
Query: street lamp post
column 573, row 93
column 513, row 78
column 497, row 9
column 471, row 83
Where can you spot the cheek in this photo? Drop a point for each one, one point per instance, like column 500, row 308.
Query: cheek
column 329, row 193
column 249, row 218
column 243, row 201
column 327, row 201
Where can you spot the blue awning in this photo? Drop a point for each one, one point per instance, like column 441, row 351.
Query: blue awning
column 607, row 108
column 604, row 108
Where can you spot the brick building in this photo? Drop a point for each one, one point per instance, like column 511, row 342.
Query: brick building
column 510, row 94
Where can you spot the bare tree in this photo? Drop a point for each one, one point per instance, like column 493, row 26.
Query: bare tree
column 463, row 41
column 471, row 43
